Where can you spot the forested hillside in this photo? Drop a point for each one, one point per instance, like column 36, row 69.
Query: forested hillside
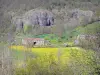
column 62, row 10
column 49, row 37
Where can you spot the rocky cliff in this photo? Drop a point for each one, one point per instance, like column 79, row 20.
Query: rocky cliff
column 63, row 15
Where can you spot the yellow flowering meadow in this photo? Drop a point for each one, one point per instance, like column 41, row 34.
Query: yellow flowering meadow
column 62, row 54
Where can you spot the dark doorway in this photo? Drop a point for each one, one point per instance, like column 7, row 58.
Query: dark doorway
column 34, row 43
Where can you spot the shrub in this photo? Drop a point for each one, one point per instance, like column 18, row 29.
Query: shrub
column 72, row 62
column 27, row 28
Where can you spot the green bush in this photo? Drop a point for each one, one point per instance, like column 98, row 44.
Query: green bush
column 80, row 63
column 27, row 28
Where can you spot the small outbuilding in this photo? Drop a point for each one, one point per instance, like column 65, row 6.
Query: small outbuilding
column 31, row 42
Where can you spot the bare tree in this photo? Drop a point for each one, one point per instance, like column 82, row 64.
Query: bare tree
column 6, row 67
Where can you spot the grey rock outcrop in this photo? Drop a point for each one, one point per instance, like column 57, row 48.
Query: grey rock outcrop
column 84, row 16
column 34, row 17
column 18, row 22
column 78, row 17
column 39, row 17
column 64, row 20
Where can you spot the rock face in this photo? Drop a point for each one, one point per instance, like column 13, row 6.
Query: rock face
column 18, row 22
column 35, row 17
column 84, row 17
column 42, row 19
column 82, row 14
column 78, row 17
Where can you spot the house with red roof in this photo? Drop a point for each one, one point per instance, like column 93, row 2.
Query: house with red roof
column 31, row 42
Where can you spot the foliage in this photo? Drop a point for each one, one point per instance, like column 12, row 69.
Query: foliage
column 51, row 37
column 60, row 61
column 91, row 29
column 27, row 28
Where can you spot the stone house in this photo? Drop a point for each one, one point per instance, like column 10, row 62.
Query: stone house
column 31, row 42
column 85, row 39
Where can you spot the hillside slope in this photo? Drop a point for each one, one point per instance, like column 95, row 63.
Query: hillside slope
column 63, row 11
column 91, row 29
